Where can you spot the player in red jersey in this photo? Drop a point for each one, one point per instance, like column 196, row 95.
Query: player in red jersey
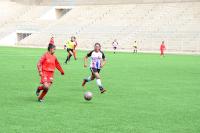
column 52, row 40
column 74, row 51
column 162, row 49
column 46, row 67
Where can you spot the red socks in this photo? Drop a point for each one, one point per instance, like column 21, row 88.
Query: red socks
column 40, row 88
column 43, row 94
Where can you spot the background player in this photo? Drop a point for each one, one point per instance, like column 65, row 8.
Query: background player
column 115, row 44
column 51, row 39
column 74, row 50
column 46, row 66
column 70, row 44
column 135, row 47
column 162, row 49
column 97, row 62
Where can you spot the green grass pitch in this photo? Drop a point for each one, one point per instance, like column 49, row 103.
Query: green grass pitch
column 146, row 94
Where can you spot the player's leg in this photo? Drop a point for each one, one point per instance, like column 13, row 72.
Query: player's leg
column 46, row 80
column 74, row 54
column 88, row 79
column 161, row 52
column 46, row 87
column 115, row 50
column 98, row 80
column 40, row 88
column 69, row 55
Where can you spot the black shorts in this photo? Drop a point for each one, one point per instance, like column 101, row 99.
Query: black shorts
column 69, row 49
column 94, row 70
column 114, row 48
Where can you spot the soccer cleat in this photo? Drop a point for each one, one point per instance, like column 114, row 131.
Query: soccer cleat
column 37, row 92
column 84, row 82
column 40, row 100
column 102, row 91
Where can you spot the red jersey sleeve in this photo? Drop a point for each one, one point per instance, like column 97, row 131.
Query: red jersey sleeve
column 58, row 66
column 40, row 62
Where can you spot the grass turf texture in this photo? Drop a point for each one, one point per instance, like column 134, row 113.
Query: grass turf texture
column 146, row 94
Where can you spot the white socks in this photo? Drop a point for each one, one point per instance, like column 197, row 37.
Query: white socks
column 89, row 79
column 99, row 82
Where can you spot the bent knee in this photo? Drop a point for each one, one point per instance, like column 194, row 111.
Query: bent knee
column 98, row 77
column 46, row 87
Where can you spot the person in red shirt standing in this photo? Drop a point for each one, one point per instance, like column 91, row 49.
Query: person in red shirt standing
column 74, row 51
column 51, row 39
column 46, row 67
column 162, row 49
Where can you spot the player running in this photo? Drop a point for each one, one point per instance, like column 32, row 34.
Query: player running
column 70, row 45
column 46, row 67
column 115, row 44
column 162, row 49
column 98, row 60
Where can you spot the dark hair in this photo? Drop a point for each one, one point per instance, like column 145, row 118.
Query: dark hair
column 97, row 44
column 50, row 46
column 73, row 37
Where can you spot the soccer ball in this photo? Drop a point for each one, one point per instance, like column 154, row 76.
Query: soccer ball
column 88, row 96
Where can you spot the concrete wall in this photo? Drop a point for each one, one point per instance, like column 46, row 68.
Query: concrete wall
column 96, row 2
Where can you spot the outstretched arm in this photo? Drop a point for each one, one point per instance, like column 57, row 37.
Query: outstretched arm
column 58, row 66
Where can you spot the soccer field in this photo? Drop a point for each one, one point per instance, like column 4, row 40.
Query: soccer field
column 145, row 94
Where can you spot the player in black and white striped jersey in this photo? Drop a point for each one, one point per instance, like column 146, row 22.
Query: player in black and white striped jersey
column 98, row 60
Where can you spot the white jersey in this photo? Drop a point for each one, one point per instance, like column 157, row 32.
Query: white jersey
column 135, row 44
column 96, row 58
column 115, row 44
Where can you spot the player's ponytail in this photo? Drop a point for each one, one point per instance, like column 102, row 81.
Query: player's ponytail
column 50, row 46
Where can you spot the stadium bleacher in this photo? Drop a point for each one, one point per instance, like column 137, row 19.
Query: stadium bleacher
column 148, row 23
